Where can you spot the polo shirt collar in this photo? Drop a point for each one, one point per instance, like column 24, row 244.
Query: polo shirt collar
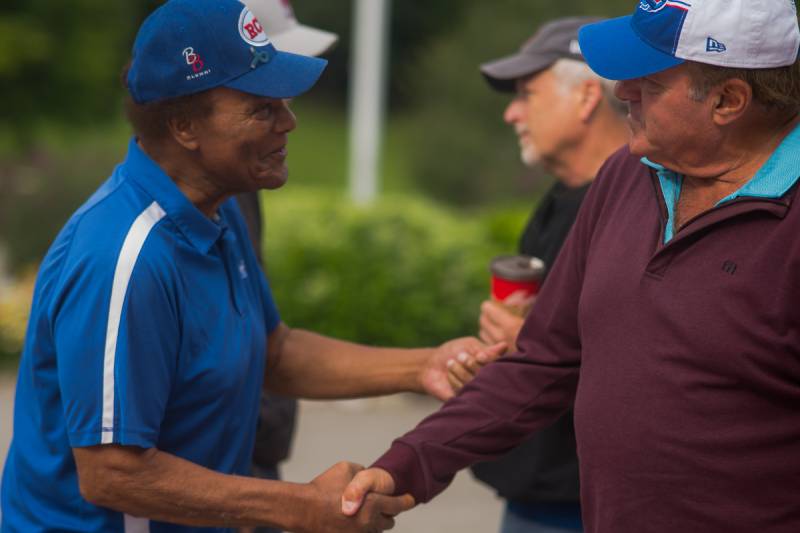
column 773, row 180
column 199, row 230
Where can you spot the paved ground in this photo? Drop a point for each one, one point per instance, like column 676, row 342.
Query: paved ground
column 357, row 431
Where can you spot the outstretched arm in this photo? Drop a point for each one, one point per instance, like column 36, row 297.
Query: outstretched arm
column 306, row 364
column 159, row 486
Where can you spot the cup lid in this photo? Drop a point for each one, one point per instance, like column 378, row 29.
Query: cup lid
column 518, row 267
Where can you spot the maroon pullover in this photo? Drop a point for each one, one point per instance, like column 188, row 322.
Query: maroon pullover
column 682, row 360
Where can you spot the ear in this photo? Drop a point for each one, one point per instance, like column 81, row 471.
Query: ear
column 590, row 93
column 185, row 132
column 731, row 99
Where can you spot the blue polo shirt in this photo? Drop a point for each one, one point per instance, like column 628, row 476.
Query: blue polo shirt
column 773, row 179
column 148, row 328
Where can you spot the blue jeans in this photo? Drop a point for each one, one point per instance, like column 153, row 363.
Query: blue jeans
column 541, row 518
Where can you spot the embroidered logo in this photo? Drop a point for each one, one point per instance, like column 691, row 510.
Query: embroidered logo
column 713, row 45
column 251, row 30
column 654, row 6
column 194, row 60
column 242, row 270
column 729, row 267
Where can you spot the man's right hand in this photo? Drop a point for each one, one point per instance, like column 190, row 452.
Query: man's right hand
column 375, row 515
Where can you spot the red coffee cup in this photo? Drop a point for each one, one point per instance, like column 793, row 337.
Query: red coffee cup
column 516, row 274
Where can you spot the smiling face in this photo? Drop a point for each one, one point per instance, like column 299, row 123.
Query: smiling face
column 242, row 143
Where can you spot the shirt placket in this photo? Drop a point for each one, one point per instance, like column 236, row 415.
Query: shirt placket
column 235, row 268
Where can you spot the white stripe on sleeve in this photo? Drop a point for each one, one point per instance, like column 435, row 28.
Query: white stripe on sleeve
column 136, row 525
column 122, row 274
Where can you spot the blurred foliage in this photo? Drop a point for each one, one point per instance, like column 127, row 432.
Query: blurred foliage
column 60, row 61
column 15, row 305
column 401, row 272
column 43, row 189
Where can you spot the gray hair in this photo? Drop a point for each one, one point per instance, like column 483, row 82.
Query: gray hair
column 571, row 72
column 776, row 89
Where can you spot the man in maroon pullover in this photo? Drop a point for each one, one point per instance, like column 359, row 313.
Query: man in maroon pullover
column 671, row 319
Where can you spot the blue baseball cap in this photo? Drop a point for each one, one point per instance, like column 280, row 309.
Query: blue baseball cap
column 188, row 46
column 746, row 34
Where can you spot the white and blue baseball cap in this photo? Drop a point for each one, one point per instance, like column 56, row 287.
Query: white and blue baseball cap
column 747, row 34
column 188, row 46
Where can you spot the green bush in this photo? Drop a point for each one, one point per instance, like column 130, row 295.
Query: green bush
column 400, row 272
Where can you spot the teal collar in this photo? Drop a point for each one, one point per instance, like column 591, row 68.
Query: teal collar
column 773, row 179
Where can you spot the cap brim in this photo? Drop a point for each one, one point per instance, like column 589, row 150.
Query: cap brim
column 284, row 76
column 304, row 40
column 503, row 73
column 614, row 51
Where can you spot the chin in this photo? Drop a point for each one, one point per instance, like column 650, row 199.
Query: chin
column 640, row 147
column 272, row 180
column 274, row 183
column 530, row 157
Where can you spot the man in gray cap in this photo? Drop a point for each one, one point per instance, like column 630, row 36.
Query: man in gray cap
column 568, row 122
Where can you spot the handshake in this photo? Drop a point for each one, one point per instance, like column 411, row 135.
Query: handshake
column 346, row 498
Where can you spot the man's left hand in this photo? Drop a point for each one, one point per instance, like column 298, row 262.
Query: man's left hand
column 433, row 377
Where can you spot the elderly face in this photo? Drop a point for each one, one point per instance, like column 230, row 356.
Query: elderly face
column 242, row 144
column 544, row 116
column 667, row 125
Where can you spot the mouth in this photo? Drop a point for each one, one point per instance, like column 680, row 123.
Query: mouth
column 280, row 152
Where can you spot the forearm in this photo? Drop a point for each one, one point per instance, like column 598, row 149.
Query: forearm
column 508, row 400
column 163, row 487
column 319, row 367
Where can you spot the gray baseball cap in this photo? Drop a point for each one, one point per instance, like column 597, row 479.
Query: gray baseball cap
column 553, row 41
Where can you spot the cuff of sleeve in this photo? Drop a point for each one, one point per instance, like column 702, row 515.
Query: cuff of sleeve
column 403, row 464
column 140, row 438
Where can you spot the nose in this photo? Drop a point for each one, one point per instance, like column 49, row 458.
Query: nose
column 627, row 90
column 287, row 121
column 512, row 112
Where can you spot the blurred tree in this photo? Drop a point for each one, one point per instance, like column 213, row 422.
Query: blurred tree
column 60, row 61
column 414, row 24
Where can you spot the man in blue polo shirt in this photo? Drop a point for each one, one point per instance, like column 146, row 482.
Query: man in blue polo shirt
column 138, row 389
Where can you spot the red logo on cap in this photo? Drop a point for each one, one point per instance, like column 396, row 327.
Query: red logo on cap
column 193, row 59
column 253, row 28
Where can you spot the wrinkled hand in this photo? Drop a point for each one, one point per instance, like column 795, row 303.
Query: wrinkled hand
column 465, row 367
column 368, row 482
column 324, row 515
column 498, row 324
column 434, row 376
